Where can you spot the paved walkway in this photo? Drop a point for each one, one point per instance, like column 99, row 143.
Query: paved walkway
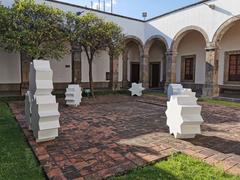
column 113, row 134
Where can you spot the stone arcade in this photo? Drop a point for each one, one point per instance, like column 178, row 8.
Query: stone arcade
column 196, row 46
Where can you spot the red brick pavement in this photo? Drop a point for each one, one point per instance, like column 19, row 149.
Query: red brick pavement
column 114, row 134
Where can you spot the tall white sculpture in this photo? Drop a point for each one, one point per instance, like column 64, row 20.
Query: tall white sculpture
column 73, row 95
column 136, row 89
column 184, row 115
column 45, row 114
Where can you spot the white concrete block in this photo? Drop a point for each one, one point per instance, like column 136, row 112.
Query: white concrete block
column 184, row 115
column 73, row 95
column 136, row 89
column 174, row 89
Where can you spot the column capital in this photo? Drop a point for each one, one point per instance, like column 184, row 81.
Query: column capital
column 210, row 47
column 170, row 53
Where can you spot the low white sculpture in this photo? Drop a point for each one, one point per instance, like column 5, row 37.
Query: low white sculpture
column 136, row 89
column 28, row 109
column 73, row 95
column 44, row 109
column 174, row 89
column 184, row 115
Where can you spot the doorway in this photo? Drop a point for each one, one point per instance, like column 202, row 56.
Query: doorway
column 135, row 72
column 155, row 75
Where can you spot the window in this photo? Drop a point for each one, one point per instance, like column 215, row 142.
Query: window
column 234, row 67
column 188, row 68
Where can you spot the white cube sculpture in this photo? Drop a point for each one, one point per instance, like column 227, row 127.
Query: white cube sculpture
column 73, row 95
column 184, row 115
column 28, row 109
column 174, row 89
column 136, row 89
column 45, row 114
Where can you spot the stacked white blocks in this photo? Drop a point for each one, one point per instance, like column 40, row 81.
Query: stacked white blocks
column 28, row 109
column 136, row 89
column 184, row 115
column 174, row 89
column 45, row 114
column 73, row 95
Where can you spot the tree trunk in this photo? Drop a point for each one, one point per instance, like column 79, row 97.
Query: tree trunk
column 91, row 77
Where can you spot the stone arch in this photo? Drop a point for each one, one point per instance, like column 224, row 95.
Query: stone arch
column 155, row 63
column 223, row 29
column 178, row 37
column 153, row 39
column 127, row 46
column 135, row 39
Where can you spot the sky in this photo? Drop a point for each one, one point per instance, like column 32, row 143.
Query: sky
column 134, row 8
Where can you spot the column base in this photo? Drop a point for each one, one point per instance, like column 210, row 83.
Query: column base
column 125, row 84
column 210, row 90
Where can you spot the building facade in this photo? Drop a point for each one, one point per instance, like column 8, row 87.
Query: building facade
column 197, row 46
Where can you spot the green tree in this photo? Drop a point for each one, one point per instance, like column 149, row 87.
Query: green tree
column 7, row 35
column 38, row 30
column 94, row 34
column 91, row 36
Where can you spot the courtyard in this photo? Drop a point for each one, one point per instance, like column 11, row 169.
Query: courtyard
column 110, row 135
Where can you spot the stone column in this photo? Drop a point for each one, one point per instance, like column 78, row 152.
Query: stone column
column 114, row 74
column 25, row 68
column 125, row 71
column 171, row 57
column 211, row 87
column 76, row 65
column 144, row 70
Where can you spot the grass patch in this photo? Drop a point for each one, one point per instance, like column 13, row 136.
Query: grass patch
column 177, row 167
column 16, row 158
column 155, row 93
column 219, row 102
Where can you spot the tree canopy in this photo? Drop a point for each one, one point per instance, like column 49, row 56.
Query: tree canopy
column 7, row 35
column 38, row 30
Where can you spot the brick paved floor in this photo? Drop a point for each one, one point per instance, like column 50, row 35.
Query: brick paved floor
column 114, row 134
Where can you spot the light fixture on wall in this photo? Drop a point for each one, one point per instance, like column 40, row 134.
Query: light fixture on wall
column 144, row 15
column 79, row 13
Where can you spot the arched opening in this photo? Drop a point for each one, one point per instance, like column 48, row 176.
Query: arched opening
column 227, row 42
column 131, row 61
column 157, row 64
column 191, row 58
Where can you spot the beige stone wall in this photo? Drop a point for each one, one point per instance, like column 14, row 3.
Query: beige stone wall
column 62, row 69
column 10, row 68
column 229, row 42
column 100, row 67
column 192, row 44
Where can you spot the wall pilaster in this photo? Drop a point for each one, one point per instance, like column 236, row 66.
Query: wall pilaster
column 76, row 65
column 211, row 87
column 25, row 68
column 171, row 57
column 144, row 70
column 114, row 85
